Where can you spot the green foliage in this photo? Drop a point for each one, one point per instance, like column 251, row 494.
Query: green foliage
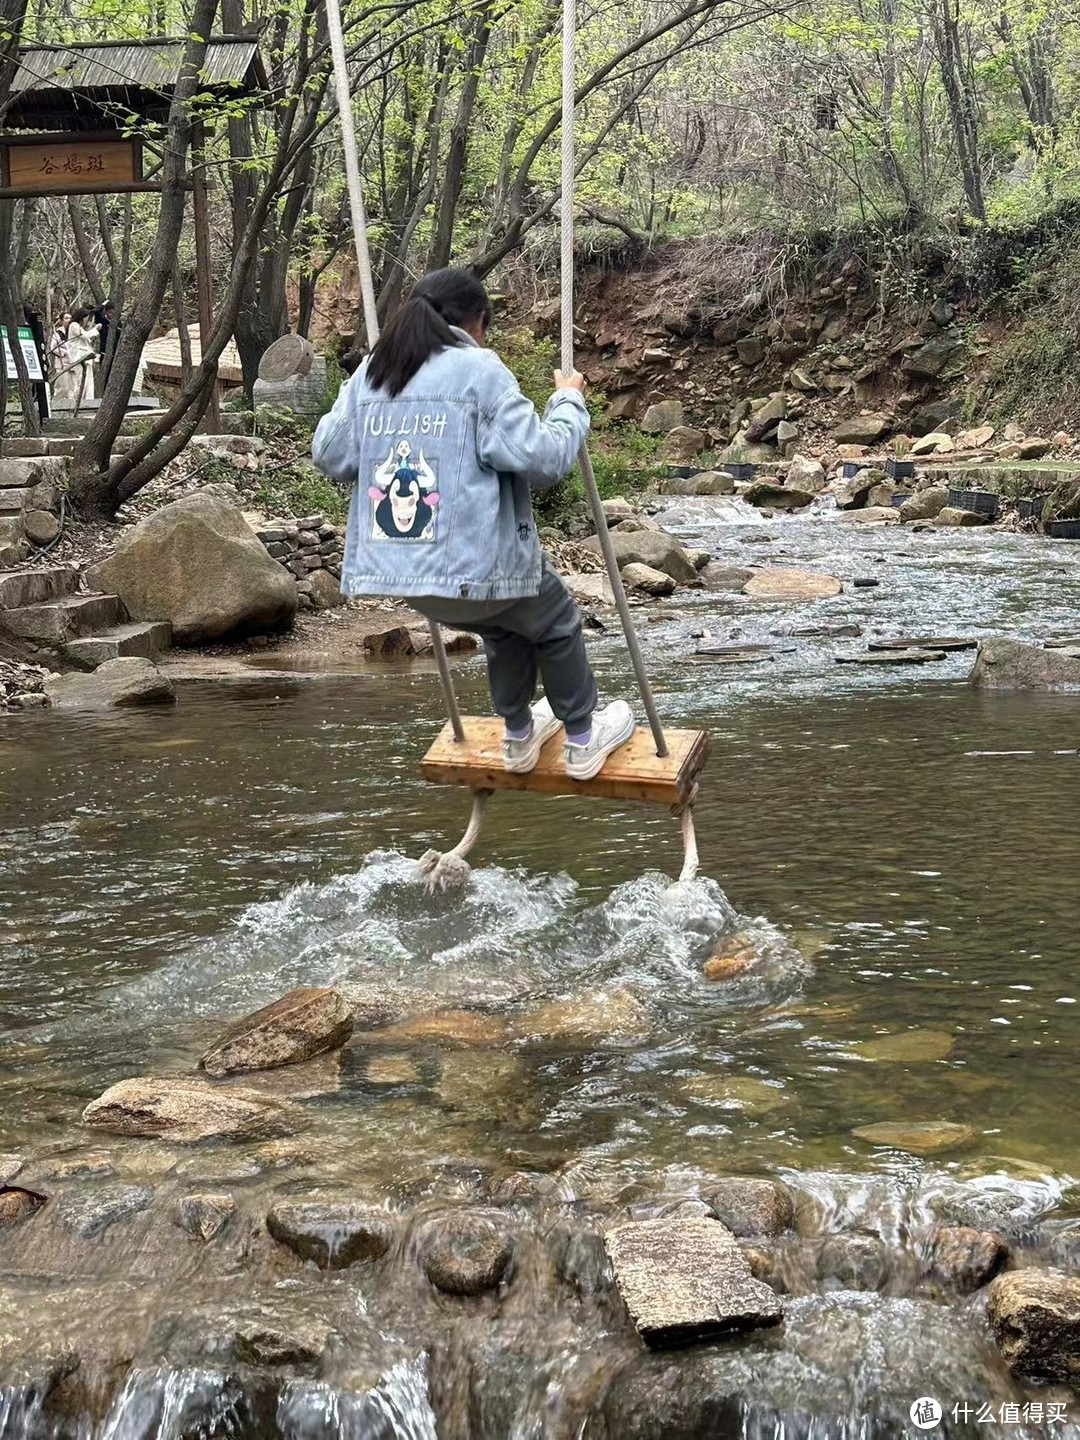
column 297, row 488
column 624, row 458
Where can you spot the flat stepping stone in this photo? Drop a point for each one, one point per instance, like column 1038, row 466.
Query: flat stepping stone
column 685, row 1280
column 931, row 642
column 891, row 657
column 784, row 583
column 733, row 655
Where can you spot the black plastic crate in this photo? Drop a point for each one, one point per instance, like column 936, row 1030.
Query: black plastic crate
column 898, row 497
column 1064, row 529
column 1031, row 506
column 899, row 469
column 981, row 502
column 741, row 469
column 850, row 468
column 681, row 472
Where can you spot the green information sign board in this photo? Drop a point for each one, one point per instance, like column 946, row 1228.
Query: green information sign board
column 29, row 350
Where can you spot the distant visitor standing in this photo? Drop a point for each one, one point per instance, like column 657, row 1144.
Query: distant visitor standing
column 82, row 332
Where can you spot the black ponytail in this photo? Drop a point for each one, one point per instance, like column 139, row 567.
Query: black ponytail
column 421, row 327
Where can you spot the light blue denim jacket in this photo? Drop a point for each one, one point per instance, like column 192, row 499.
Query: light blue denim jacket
column 441, row 476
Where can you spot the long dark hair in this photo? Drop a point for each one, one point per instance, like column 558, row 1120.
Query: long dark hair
column 421, row 328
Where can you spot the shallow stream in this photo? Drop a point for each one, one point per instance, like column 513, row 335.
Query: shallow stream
column 902, row 850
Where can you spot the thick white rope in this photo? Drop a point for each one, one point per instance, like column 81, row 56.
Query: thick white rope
column 358, row 214
column 566, row 202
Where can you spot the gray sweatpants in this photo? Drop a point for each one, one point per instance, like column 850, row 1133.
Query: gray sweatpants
column 540, row 634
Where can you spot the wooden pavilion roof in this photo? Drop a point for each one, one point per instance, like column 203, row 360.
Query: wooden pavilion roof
column 95, row 84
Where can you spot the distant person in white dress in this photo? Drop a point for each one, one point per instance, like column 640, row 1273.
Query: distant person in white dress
column 82, row 356
column 63, row 382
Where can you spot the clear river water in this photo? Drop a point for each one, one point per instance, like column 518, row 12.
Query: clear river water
column 903, row 849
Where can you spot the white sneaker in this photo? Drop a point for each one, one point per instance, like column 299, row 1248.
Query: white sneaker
column 611, row 727
column 521, row 756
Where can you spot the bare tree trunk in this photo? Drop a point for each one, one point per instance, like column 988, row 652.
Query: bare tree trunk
column 86, row 255
column 960, row 94
column 454, row 175
column 92, row 490
column 12, row 19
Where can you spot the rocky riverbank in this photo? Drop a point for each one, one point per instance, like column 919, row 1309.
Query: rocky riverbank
column 198, row 1216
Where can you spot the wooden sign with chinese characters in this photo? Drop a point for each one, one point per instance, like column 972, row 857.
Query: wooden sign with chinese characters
column 70, row 165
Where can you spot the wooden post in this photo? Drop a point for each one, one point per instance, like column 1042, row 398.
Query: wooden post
column 204, row 279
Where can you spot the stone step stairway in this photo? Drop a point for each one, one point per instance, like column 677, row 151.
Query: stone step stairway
column 46, row 609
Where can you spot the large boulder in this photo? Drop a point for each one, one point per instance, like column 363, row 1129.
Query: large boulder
column 303, row 1023
column 1035, row 1318
column 663, row 417
column 117, row 684
column 706, row 482
column 951, row 515
column 183, row 1111
column 776, row 496
column 646, row 581
column 654, row 548
column 198, row 564
column 925, row 504
column 1004, row 664
column 861, row 430
column 683, row 445
column 803, row 473
column 853, row 493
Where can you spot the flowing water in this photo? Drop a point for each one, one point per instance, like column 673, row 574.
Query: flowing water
column 901, row 850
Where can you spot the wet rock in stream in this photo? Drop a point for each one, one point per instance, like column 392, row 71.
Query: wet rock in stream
column 88, row 1214
column 184, row 1111
column 687, row 1279
column 966, row 1259
column 752, row 1208
column 204, row 1216
column 18, row 1205
column 302, row 1024
column 333, row 1234
column 1035, row 1317
column 466, row 1253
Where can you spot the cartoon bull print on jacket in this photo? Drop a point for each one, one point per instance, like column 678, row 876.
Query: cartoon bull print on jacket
column 404, row 497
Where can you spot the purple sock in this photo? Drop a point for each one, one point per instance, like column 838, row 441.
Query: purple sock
column 520, row 734
column 581, row 738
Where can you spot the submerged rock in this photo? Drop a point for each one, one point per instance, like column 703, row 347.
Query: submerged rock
column 1004, row 664
column 10, row 1165
column 908, row 1045
column 596, row 1015
column 753, row 1208
column 334, row 1234
column 687, row 1279
column 204, row 1216
column 303, row 1023
column 844, row 1366
column 445, row 1027
column 852, row 1262
column 184, row 1111
column 90, row 1214
column 930, row 1138
column 1035, row 1319
column 466, row 1253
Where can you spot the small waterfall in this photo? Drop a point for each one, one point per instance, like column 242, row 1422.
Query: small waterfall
column 397, row 1409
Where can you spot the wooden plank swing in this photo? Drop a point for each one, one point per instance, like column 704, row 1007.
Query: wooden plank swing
column 655, row 766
